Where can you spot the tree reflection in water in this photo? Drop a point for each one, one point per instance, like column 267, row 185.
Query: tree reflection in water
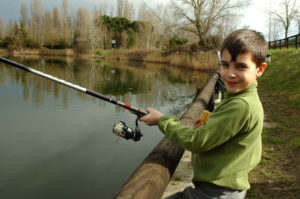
column 149, row 84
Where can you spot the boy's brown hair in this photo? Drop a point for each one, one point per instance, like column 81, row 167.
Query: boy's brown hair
column 243, row 41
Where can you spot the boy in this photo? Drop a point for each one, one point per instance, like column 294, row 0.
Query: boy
column 229, row 145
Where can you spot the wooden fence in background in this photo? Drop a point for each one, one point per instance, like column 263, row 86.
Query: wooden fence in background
column 292, row 41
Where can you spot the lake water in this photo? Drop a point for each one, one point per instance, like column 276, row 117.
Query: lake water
column 56, row 142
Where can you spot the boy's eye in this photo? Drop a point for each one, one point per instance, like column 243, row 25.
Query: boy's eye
column 242, row 66
column 224, row 64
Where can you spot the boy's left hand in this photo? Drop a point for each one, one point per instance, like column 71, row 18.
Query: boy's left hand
column 198, row 124
column 152, row 117
column 203, row 119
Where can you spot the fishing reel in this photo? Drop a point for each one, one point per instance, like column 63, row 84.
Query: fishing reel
column 122, row 130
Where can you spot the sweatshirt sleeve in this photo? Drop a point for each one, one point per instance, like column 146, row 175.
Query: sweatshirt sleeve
column 223, row 124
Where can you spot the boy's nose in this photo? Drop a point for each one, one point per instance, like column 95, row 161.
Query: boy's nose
column 231, row 72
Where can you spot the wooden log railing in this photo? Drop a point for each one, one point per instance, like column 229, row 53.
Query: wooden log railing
column 151, row 178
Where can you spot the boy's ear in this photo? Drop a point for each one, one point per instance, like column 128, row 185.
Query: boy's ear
column 261, row 69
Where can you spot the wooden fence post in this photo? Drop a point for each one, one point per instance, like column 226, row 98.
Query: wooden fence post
column 280, row 44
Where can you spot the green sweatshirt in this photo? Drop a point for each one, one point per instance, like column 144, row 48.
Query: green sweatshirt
column 229, row 145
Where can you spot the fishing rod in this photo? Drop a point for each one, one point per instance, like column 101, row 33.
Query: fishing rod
column 120, row 128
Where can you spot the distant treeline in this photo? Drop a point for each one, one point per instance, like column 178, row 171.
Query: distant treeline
column 82, row 31
column 200, row 24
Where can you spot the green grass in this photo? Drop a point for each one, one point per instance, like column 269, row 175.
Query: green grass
column 294, row 142
column 283, row 74
column 268, row 139
column 103, row 52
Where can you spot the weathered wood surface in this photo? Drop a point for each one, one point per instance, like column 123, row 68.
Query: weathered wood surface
column 151, row 178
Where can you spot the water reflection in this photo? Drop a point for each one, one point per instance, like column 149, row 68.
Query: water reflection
column 57, row 143
column 151, row 84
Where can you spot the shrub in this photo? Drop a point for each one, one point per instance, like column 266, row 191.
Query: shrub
column 176, row 42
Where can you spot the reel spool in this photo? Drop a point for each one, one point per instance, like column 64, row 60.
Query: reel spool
column 122, row 130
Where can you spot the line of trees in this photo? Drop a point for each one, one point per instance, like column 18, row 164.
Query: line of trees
column 83, row 30
column 180, row 22
column 87, row 31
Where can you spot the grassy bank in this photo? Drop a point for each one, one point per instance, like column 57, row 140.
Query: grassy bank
column 193, row 60
column 45, row 52
column 282, row 75
column 278, row 176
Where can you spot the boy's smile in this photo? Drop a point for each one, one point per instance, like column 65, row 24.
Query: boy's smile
column 239, row 74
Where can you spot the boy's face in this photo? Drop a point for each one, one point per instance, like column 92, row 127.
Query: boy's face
column 239, row 74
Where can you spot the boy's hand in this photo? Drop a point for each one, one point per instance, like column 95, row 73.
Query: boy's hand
column 197, row 124
column 152, row 117
column 203, row 119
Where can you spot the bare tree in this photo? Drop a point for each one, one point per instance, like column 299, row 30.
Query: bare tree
column 56, row 20
column 2, row 28
column 286, row 14
column 157, row 26
column 269, row 19
column 202, row 16
column 120, row 7
column 226, row 26
column 48, row 32
column 112, row 10
column 65, row 8
column 85, row 31
column 125, row 9
column 24, row 14
column 298, row 22
column 103, row 8
column 146, row 33
column 37, row 15
column 275, row 30
column 66, row 24
column 10, row 30
column 56, row 26
column 97, row 30
column 129, row 10
column 162, row 19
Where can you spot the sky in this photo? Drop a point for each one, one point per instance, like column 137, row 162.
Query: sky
column 254, row 16
column 10, row 9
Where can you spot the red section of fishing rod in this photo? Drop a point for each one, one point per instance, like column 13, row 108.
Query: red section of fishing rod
column 134, row 110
